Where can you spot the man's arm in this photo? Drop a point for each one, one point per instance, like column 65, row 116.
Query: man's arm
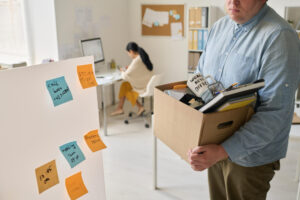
column 280, row 70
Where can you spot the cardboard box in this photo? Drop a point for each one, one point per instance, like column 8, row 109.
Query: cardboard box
column 181, row 127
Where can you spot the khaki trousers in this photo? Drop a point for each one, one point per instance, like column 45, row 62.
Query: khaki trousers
column 229, row 181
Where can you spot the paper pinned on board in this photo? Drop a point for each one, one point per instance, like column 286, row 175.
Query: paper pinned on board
column 86, row 76
column 160, row 18
column 75, row 186
column 59, row 90
column 72, row 153
column 176, row 31
column 46, row 176
column 94, row 141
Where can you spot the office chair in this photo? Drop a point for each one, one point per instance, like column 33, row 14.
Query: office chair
column 153, row 82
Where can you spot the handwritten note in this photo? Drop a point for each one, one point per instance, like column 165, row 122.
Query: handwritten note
column 86, row 76
column 46, row 176
column 59, row 90
column 75, row 186
column 94, row 141
column 72, row 153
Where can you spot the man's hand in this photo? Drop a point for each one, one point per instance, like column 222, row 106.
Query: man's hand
column 203, row 157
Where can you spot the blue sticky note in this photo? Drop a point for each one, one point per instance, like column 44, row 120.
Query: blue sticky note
column 177, row 16
column 171, row 12
column 72, row 153
column 156, row 23
column 59, row 90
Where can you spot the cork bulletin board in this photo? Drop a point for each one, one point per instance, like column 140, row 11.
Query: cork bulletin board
column 176, row 14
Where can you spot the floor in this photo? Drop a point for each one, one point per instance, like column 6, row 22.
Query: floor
column 128, row 162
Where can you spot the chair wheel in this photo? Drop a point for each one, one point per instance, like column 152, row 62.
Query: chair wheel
column 147, row 125
column 126, row 121
column 130, row 115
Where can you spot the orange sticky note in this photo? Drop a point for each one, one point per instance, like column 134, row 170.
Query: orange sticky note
column 86, row 76
column 94, row 141
column 75, row 186
column 46, row 176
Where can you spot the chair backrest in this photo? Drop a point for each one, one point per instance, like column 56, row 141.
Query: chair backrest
column 153, row 82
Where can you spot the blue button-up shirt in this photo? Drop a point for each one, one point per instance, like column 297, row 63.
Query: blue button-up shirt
column 266, row 47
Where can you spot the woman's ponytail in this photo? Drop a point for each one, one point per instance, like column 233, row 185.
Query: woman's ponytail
column 145, row 58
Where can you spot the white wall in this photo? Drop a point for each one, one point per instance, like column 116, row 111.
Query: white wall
column 78, row 19
column 41, row 30
column 170, row 57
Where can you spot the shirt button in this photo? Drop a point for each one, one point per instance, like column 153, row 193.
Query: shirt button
column 286, row 85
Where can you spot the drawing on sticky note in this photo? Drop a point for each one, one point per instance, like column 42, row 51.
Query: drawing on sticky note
column 86, row 76
column 46, row 176
column 59, row 90
column 72, row 153
column 94, row 141
column 75, row 186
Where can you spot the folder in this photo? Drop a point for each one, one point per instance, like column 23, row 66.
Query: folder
column 195, row 40
column 204, row 17
column 192, row 17
column 191, row 40
column 200, row 39
column 205, row 36
column 198, row 16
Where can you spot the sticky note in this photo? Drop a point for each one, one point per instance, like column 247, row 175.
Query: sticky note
column 72, row 153
column 46, row 176
column 75, row 186
column 94, row 141
column 156, row 23
column 171, row 12
column 177, row 17
column 86, row 76
column 59, row 90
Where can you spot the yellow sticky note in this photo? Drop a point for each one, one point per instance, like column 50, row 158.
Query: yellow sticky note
column 94, row 141
column 86, row 76
column 75, row 186
column 46, row 176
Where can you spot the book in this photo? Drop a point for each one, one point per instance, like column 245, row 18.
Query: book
column 238, row 102
column 231, row 93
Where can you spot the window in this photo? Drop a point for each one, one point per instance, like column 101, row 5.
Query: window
column 12, row 35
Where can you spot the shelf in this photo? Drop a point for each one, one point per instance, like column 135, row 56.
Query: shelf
column 203, row 28
column 199, row 51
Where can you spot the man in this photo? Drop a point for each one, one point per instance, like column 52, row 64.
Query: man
column 253, row 42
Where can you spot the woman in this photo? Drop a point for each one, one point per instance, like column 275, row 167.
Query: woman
column 136, row 77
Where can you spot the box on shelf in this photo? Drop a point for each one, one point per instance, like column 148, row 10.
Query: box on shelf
column 181, row 127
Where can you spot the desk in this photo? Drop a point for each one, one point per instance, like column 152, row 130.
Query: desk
column 104, row 80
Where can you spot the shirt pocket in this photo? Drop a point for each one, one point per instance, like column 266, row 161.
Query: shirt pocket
column 240, row 69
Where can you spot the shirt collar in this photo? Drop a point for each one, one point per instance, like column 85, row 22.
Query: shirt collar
column 252, row 22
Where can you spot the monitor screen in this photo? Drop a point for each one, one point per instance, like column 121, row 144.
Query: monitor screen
column 93, row 47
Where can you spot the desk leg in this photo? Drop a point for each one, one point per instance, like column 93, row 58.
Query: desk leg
column 113, row 93
column 154, row 159
column 104, row 111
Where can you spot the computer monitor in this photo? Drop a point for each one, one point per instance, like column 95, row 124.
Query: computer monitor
column 93, row 47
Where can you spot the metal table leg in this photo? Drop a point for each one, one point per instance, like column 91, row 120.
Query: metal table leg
column 154, row 158
column 104, row 111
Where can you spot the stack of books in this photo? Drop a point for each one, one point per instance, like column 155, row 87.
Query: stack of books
column 234, row 97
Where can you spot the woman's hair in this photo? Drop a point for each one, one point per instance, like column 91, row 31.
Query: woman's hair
column 144, row 56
